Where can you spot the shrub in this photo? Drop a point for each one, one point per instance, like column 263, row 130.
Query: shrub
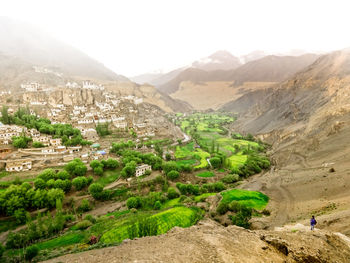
column 47, row 174
column 234, row 206
column 90, row 218
column 2, row 250
column 112, row 164
column 96, row 190
column 39, row 183
column 67, row 185
column 169, row 166
column 215, row 162
column 98, row 171
column 59, row 184
column 80, row 182
column 38, row 145
column 133, row 202
column 157, row 205
column 84, row 206
column 222, row 208
column 63, row 175
column 50, row 183
column 53, row 195
column 172, row 193
column 20, row 215
column 31, row 252
column 230, row 178
column 83, row 224
column 76, row 167
column 172, row 175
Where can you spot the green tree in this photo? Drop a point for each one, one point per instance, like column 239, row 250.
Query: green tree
column 76, row 168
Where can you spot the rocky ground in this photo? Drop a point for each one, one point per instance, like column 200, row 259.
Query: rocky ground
column 211, row 242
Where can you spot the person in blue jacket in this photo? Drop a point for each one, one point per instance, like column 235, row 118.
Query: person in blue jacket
column 313, row 222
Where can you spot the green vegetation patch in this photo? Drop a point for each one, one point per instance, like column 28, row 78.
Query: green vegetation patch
column 236, row 160
column 251, row 199
column 202, row 197
column 206, row 174
column 108, row 177
column 65, row 240
column 177, row 216
column 171, row 203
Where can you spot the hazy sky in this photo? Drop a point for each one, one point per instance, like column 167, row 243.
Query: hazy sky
column 133, row 37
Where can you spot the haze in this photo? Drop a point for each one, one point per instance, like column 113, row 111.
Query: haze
column 134, row 37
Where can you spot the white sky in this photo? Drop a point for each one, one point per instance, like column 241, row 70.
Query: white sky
column 133, row 37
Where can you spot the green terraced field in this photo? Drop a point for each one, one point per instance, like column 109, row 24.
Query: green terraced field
column 177, row 216
column 236, row 160
column 203, row 196
column 65, row 240
column 252, row 199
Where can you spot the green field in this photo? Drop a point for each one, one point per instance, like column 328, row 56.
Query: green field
column 206, row 174
column 177, row 216
column 108, row 177
column 251, row 199
column 189, row 153
column 65, row 240
column 201, row 197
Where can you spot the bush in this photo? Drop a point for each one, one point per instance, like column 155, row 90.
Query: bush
column 172, row 193
column 112, row 164
column 169, row 166
column 76, row 168
column 31, row 252
column 53, row 195
column 133, row 202
column 90, row 218
column 98, row 171
column 96, row 190
column 63, row 175
column 222, row 208
column 83, row 224
column 38, row 145
column 20, row 215
column 80, row 182
column 2, row 250
column 47, row 174
column 157, row 205
column 230, row 178
column 215, row 162
column 39, row 183
column 50, row 183
column 172, row 175
column 84, row 206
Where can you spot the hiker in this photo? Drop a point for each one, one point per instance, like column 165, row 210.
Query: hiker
column 313, row 222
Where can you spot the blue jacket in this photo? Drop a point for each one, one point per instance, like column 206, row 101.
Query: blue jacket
column 313, row 221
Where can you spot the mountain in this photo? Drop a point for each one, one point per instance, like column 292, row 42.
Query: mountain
column 254, row 55
column 271, row 68
column 33, row 46
column 220, row 60
column 212, row 89
column 146, row 78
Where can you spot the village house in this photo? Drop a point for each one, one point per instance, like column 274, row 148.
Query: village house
column 34, row 86
column 140, row 170
column 56, row 142
column 18, row 165
column 45, row 140
column 89, row 85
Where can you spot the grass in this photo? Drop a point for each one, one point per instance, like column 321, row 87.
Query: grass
column 188, row 151
column 202, row 155
column 183, row 162
column 251, row 199
column 236, row 160
column 177, row 216
column 205, row 174
column 171, row 203
column 201, row 197
column 65, row 240
column 108, row 177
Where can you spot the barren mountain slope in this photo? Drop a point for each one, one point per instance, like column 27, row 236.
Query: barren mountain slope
column 34, row 46
column 306, row 120
column 210, row 242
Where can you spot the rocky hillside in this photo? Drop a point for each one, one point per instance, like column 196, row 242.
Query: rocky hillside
column 211, row 242
column 311, row 97
column 35, row 47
